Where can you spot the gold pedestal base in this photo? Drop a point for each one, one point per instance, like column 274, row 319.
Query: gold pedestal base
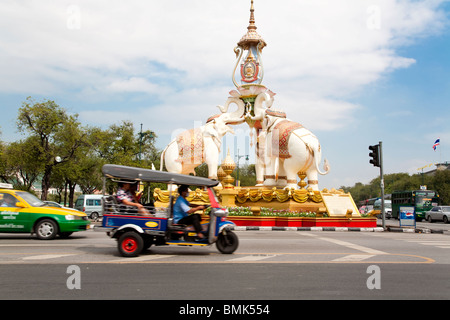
column 228, row 197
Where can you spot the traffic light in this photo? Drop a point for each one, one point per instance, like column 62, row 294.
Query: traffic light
column 375, row 155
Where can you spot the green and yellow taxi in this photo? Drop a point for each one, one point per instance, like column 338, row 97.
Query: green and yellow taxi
column 22, row 212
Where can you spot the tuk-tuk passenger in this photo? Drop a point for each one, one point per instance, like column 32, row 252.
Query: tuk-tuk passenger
column 182, row 210
column 127, row 199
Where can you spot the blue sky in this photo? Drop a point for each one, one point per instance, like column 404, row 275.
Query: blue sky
column 354, row 72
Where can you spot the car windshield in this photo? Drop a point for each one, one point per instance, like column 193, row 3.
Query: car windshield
column 32, row 200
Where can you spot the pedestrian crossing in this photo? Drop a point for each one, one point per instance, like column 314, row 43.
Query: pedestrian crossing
column 443, row 244
column 339, row 249
column 212, row 258
column 354, row 258
column 249, row 258
column 46, row 256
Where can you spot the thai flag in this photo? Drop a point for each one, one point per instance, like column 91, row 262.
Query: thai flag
column 436, row 143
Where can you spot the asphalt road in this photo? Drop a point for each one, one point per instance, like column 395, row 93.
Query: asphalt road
column 269, row 266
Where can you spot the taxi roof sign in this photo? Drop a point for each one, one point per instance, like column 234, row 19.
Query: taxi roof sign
column 6, row 185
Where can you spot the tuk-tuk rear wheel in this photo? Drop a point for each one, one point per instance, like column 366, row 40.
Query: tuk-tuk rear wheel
column 130, row 244
column 227, row 242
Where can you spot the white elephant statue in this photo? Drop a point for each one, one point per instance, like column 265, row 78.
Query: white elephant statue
column 284, row 147
column 201, row 145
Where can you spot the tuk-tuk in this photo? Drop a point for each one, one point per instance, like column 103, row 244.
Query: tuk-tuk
column 135, row 232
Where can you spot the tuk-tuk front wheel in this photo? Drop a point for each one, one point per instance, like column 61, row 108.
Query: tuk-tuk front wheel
column 130, row 244
column 227, row 242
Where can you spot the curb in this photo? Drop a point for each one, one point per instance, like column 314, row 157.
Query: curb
column 342, row 229
column 253, row 228
column 416, row 230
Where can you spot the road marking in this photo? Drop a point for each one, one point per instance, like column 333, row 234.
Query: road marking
column 48, row 245
column 427, row 241
column 251, row 258
column 354, row 257
column 142, row 258
column 39, row 245
column 347, row 244
column 47, row 256
column 443, row 244
column 260, row 259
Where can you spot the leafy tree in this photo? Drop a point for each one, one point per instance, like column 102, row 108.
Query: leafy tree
column 440, row 181
column 22, row 166
column 120, row 145
column 247, row 175
column 5, row 171
column 58, row 135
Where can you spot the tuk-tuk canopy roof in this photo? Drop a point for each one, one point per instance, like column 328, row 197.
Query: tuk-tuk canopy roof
column 114, row 171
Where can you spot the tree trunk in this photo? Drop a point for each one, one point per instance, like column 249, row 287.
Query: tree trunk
column 46, row 181
column 71, row 194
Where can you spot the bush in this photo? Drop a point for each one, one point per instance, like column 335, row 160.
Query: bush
column 269, row 212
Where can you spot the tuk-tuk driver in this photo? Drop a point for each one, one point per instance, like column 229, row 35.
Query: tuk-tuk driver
column 182, row 210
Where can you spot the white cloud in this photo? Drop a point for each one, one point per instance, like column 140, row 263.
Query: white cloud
column 317, row 113
column 180, row 53
column 138, row 84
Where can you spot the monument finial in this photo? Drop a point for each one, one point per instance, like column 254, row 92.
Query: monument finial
column 252, row 25
column 251, row 68
column 251, row 37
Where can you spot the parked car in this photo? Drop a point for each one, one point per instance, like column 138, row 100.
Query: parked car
column 387, row 207
column 441, row 213
column 22, row 212
column 91, row 204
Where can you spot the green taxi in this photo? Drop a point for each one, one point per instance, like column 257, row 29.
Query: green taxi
column 22, row 212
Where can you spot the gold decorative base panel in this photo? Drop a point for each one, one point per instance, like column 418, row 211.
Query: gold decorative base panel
column 330, row 203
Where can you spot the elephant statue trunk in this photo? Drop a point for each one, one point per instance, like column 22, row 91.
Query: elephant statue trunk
column 236, row 117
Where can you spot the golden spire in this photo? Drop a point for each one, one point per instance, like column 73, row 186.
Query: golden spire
column 252, row 25
column 251, row 37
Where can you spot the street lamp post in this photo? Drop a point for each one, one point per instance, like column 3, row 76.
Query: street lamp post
column 140, row 143
column 141, row 136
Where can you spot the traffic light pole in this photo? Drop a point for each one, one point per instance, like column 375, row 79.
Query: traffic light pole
column 382, row 185
column 376, row 155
